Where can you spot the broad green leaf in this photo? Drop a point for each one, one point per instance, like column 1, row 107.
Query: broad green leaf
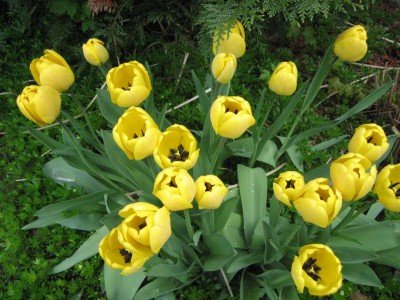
column 258, row 241
column 233, row 230
column 44, row 139
column 361, row 274
column 45, row 220
column 277, row 278
column 353, row 255
column 329, row 143
column 289, row 293
column 244, row 148
column 249, row 288
column 89, row 248
column 221, row 215
column 169, row 270
column 203, row 98
column 244, row 260
column 122, row 287
column 220, row 252
column 112, row 219
column 375, row 210
column 88, row 222
column 110, row 111
column 158, row 287
column 253, row 196
column 389, row 257
column 296, row 157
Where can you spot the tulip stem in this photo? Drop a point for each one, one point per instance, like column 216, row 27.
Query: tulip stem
column 215, row 91
column 189, row 226
column 217, row 152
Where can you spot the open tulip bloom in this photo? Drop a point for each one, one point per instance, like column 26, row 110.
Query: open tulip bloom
column 158, row 200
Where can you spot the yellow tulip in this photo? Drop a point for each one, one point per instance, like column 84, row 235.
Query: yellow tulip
column 52, row 69
column 287, row 186
column 318, row 203
column 40, row 104
column 369, row 140
column 94, row 51
column 232, row 42
column 350, row 175
column 136, row 133
column 124, row 257
column 210, row 192
column 176, row 147
column 145, row 225
column 387, row 187
column 223, row 67
column 318, row 269
column 231, row 116
column 129, row 84
column 284, row 79
column 351, row 44
column 175, row 188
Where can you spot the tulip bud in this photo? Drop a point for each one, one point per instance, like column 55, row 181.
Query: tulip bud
column 318, row 269
column 51, row 69
column 284, row 79
column 210, row 192
column 287, row 186
column 387, row 187
column 318, row 203
column 231, row 116
column 126, row 257
column 349, row 174
column 369, row 140
column 94, row 51
column 136, row 133
column 232, row 42
column 40, row 104
column 223, row 67
column 351, row 44
column 128, row 84
column 176, row 147
column 175, row 188
column 144, row 225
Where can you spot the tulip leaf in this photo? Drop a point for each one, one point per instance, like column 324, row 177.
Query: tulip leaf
column 244, row 260
column 361, row 274
column 375, row 210
column 89, row 248
column 353, row 255
column 253, row 196
column 221, row 215
column 110, row 111
column 328, row 143
column 249, row 288
column 289, row 293
column 169, row 270
column 389, row 257
column 44, row 139
column 122, row 287
column 88, row 222
column 277, row 278
column 45, row 221
column 244, row 148
column 220, row 251
column 233, row 231
column 203, row 98
column 160, row 286
column 112, row 219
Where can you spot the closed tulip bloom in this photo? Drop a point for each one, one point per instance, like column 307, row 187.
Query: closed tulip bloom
column 128, row 84
column 210, row 192
column 369, row 140
column 124, row 257
column 40, row 104
column 51, row 69
column 351, row 44
column 231, row 116
column 353, row 176
column 318, row 269
column 145, row 225
column 176, row 147
column 318, row 203
column 136, row 133
column 287, row 186
column 284, row 79
column 223, row 67
column 387, row 187
column 234, row 42
column 175, row 188
column 94, row 51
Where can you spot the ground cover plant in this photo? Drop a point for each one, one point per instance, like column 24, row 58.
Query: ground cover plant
column 90, row 268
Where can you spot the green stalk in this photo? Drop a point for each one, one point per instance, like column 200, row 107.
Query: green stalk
column 189, row 226
column 215, row 160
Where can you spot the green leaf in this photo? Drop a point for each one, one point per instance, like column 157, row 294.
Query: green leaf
column 361, row 274
column 64, row 7
column 44, row 139
column 221, row 215
column 122, row 287
column 353, row 255
column 389, row 257
column 45, row 221
column 277, row 278
column 88, row 222
column 289, row 293
column 112, row 219
column 220, row 252
column 89, row 248
column 253, row 196
column 110, row 111
column 203, row 98
column 375, row 210
column 249, row 288
column 244, row 260
column 233, row 230
column 158, row 287
column 326, row 144
column 244, row 148
column 169, row 270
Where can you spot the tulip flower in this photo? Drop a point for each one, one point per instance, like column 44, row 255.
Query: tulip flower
column 284, row 79
column 175, row 188
column 176, row 147
column 144, row 225
column 287, row 186
column 40, row 104
column 136, row 133
column 387, row 187
column 223, row 67
column 51, row 69
column 210, row 192
column 318, row 269
column 351, row 44
column 128, row 84
column 124, row 257
column 353, row 176
column 232, row 42
column 369, row 140
column 318, row 203
column 231, row 116
column 94, row 51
